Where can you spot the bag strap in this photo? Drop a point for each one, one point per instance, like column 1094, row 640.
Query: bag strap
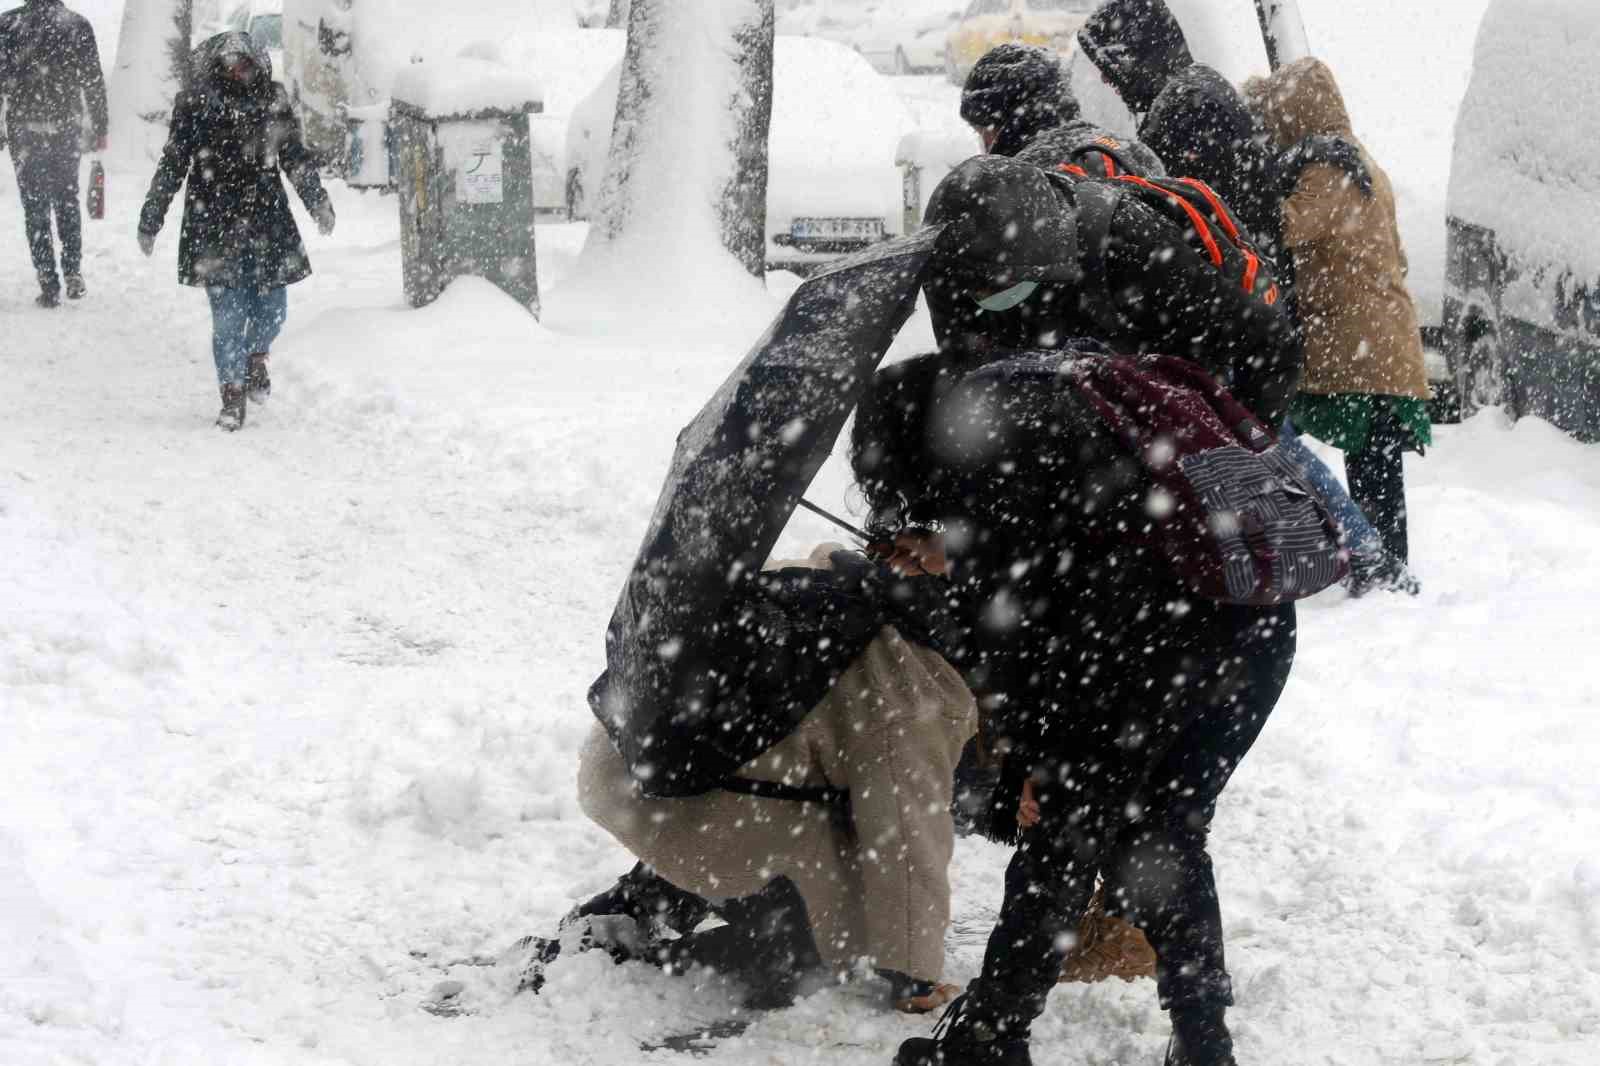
column 1112, row 159
column 837, row 800
column 1095, row 205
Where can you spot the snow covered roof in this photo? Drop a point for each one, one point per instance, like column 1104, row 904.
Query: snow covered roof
column 467, row 84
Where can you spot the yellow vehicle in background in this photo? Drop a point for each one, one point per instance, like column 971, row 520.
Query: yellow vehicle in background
column 1049, row 23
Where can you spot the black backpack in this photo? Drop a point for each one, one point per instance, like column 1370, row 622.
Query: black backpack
column 1189, row 203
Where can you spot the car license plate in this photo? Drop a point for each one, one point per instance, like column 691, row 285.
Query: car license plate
column 834, row 229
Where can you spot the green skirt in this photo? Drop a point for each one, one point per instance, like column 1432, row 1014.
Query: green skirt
column 1345, row 419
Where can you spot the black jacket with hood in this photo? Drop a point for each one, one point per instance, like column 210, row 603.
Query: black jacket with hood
column 1072, row 619
column 1149, row 289
column 1021, row 92
column 229, row 141
column 1194, row 118
column 1086, row 649
column 50, row 68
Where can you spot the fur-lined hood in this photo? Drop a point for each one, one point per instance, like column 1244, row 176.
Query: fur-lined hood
column 1299, row 101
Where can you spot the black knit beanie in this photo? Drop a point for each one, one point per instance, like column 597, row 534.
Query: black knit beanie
column 1019, row 90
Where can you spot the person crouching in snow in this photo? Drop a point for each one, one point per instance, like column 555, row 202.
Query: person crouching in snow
column 232, row 132
column 827, row 852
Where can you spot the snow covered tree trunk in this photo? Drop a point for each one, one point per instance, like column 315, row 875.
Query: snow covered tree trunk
column 147, row 75
column 688, row 158
column 744, row 199
column 617, row 14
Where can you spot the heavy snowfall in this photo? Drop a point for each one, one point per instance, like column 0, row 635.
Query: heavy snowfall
column 292, row 716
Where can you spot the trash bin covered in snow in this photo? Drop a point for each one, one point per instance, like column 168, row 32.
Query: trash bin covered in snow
column 464, row 175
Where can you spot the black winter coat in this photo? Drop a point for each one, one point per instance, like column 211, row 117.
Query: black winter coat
column 50, row 68
column 1085, row 645
column 229, row 143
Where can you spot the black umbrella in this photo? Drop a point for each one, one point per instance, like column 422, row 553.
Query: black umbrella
column 697, row 658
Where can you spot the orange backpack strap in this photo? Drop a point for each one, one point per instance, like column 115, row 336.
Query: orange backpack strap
column 1202, row 229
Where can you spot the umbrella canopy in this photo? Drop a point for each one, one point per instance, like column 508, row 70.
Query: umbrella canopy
column 691, row 686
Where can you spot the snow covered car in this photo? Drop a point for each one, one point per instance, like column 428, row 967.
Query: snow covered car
column 1050, row 23
column 1522, row 268
column 833, row 185
column 895, row 36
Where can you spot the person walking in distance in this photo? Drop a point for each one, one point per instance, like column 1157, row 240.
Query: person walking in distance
column 233, row 132
column 49, row 76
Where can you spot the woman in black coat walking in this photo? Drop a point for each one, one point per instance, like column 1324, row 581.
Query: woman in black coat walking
column 232, row 132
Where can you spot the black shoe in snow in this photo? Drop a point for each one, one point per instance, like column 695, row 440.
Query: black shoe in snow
column 766, row 947
column 48, row 298
column 535, row 954
column 258, row 382
column 647, row 898
column 231, row 418
column 1200, row 1037
column 76, row 289
column 618, row 935
column 960, row 1040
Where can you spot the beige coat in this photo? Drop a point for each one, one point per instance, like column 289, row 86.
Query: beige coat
column 890, row 732
column 1350, row 267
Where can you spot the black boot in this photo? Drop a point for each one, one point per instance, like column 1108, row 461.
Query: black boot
column 626, row 921
column 1200, row 1037
column 960, row 1039
column 231, row 417
column 767, row 946
column 258, row 382
column 648, row 899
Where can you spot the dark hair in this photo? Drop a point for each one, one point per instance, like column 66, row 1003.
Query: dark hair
column 896, row 471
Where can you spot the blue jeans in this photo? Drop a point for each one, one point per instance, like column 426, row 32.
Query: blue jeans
column 244, row 321
column 1359, row 533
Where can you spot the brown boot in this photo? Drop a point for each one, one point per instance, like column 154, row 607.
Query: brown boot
column 259, row 384
column 232, row 415
column 1107, row 947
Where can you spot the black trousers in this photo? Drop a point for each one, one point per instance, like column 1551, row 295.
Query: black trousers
column 1133, row 796
column 47, row 180
column 1376, row 475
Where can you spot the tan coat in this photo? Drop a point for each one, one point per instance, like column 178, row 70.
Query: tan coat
column 890, row 732
column 1350, row 267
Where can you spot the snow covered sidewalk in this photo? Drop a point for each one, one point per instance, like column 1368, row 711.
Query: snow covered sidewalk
column 291, row 715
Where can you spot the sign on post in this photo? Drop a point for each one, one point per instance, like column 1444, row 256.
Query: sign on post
column 480, row 177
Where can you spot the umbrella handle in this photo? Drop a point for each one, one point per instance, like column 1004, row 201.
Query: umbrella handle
column 836, row 520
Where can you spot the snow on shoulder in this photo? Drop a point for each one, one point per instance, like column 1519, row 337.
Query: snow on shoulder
column 473, row 81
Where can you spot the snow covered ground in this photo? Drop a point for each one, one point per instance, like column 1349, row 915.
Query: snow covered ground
column 291, row 716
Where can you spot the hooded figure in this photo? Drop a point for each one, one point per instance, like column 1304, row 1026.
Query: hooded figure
column 1193, row 118
column 49, row 74
column 233, row 130
column 1365, row 388
column 1019, row 100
